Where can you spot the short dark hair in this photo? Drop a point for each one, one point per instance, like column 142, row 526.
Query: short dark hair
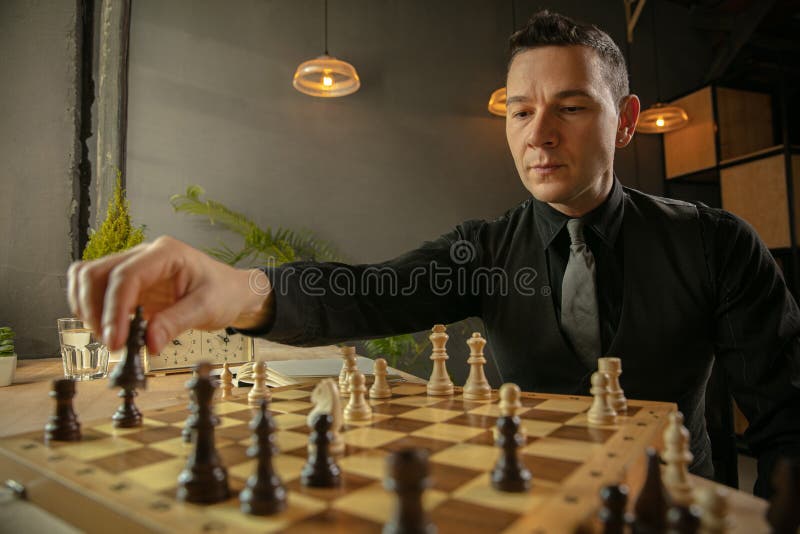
column 552, row 29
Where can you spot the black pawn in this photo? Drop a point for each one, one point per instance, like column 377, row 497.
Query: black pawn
column 509, row 473
column 783, row 513
column 129, row 375
column 63, row 424
column 683, row 520
column 204, row 479
column 407, row 476
column 612, row 513
column 264, row 493
column 321, row 470
column 651, row 505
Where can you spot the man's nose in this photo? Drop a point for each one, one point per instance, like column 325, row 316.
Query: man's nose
column 542, row 131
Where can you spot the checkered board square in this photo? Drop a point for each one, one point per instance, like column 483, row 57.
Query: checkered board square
column 129, row 477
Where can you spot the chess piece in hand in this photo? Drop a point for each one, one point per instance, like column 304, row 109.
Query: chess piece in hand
column 178, row 286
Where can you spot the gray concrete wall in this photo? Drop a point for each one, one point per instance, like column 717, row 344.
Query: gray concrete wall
column 38, row 166
column 211, row 103
column 411, row 154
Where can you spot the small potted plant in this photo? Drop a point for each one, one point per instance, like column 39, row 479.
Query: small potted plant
column 8, row 358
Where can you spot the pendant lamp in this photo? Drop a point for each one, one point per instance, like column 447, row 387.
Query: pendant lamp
column 497, row 102
column 326, row 76
column 660, row 117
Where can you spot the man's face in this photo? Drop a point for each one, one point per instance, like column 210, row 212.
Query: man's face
column 562, row 126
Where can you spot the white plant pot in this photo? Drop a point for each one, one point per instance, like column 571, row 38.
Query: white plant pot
column 8, row 364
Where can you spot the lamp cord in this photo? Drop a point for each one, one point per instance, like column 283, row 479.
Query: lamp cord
column 326, row 27
column 655, row 52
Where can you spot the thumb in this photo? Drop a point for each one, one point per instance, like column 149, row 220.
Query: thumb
column 189, row 312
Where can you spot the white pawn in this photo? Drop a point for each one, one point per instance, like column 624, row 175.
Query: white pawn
column 601, row 412
column 260, row 389
column 351, row 366
column 357, row 409
column 477, row 387
column 613, row 366
column 509, row 400
column 439, row 383
column 713, row 505
column 380, row 388
column 348, row 353
column 509, row 404
column 677, row 457
column 226, row 377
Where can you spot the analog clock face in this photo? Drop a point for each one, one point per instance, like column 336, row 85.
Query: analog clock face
column 220, row 347
column 194, row 346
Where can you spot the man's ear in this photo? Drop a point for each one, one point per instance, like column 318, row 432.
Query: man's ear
column 629, row 108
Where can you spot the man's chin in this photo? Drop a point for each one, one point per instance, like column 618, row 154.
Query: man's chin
column 550, row 192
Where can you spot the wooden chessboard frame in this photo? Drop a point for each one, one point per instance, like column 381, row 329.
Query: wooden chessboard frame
column 570, row 460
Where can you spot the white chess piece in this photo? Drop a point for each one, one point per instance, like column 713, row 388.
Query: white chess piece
column 260, row 389
column 677, row 457
column 477, row 387
column 350, row 367
column 601, row 412
column 357, row 409
column 439, row 383
column 348, row 353
column 509, row 404
column 713, row 505
column 613, row 366
column 326, row 400
column 380, row 388
column 226, row 378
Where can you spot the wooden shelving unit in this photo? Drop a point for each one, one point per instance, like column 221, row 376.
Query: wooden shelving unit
column 734, row 154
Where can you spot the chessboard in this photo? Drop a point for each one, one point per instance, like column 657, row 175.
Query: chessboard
column 126, row 479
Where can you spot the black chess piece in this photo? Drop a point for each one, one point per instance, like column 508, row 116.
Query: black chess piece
column 651, row 506
column 129, row 375
column 683, row 520
column 264, row 493
column 321, row 470
column 200, row 369
column 407, row 476
column 63, row 424
column 509, row 473
column 204, row 479
column 612, row 513
column 783, row 513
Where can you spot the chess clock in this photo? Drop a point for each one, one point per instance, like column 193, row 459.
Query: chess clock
column 193, row 346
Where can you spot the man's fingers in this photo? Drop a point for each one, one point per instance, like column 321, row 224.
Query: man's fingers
column 157, row 271
column 191, row 311
column 86, row 284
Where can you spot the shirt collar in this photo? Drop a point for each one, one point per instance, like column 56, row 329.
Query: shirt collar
column 605, row 220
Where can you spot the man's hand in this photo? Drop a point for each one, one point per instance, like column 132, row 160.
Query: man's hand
column 178, row 286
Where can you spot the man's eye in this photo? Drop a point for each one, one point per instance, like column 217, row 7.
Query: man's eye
column 571, row 109
column 519, row 114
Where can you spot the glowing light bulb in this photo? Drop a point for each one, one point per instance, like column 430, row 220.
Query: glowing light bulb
column 660, row 122
column 327, row 81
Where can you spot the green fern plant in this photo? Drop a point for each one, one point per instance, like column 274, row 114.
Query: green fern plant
column 116, row 233
column 263, row 245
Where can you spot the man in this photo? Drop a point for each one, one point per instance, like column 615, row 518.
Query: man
column 668, row 286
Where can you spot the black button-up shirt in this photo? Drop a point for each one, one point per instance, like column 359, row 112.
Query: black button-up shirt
column 753, row 321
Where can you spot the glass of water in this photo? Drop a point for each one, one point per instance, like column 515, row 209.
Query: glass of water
column 84, row 357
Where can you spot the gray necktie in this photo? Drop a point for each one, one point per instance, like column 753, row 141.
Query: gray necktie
column 580, row 319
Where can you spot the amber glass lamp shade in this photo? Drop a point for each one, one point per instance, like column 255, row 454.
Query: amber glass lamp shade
column 326, row 77
column 497, row 103
column 661, row 118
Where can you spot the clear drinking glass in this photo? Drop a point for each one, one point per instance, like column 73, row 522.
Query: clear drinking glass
column 84, row 358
